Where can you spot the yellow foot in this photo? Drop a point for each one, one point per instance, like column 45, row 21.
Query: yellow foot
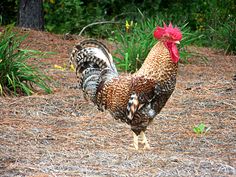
column 133, row 147
column 143, row 140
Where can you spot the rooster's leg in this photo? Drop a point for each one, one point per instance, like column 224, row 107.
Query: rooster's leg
column 144, row 140
column 135, row 141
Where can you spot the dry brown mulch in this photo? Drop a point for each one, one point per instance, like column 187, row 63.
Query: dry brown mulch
column 61, row 134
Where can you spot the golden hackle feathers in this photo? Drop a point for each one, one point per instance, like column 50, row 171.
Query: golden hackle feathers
column 158, row 64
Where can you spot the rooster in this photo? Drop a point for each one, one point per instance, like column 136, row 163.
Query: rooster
column 132, row 98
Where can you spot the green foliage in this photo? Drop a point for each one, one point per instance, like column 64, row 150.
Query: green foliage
column 215, row 20
column 8, row 11
column 200, row 129
column 203, row 16
column 134, row 44
column 137, row 39
column 70, row 16
column 189, row 38
column 16, row 76
column 212, row 19
column 62, row 16
column 224, row 36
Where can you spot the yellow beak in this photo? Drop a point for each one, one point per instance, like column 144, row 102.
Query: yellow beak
column 177, row 42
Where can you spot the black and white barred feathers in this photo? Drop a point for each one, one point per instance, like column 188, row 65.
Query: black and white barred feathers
column 94, row 66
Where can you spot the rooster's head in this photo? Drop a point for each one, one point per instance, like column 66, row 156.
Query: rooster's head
column 170, row 36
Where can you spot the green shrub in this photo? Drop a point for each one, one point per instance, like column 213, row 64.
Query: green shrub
column 136, row 41
column 203, row 16
column 70, row 16
column 16, row 76
column 62, row 16
column 8, row 11
column 224, row 36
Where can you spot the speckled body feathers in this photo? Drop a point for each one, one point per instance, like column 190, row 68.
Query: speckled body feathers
column 135, row 99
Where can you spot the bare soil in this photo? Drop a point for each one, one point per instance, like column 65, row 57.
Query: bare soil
column 61, row 134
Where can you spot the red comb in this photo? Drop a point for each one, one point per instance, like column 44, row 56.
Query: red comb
column 169, row 31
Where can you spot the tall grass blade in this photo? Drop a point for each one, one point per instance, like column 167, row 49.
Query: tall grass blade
column 17, row 76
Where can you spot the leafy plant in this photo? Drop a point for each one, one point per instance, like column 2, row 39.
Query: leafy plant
column 225, row 36
column 8, row 11
column 135, row 43
column 17, row 77
column 71, row 16
column 213, row 19
column 62, row 16
column 200, row 129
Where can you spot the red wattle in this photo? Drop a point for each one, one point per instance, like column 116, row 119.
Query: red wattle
column 174, row 53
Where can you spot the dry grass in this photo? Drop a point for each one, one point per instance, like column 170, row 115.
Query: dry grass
column 61, row 134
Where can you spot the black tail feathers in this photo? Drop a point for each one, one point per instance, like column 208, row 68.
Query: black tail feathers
column 94, row 65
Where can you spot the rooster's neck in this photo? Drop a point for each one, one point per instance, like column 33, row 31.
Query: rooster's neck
column 158, row 65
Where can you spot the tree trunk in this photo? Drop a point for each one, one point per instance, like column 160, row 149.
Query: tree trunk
column 31, row 14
